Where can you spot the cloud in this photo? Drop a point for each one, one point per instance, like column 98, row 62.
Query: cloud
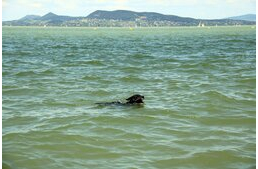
column 241, row 2
column 5, row 3
column 27, row 4
column 174, row 2
column 36, row 5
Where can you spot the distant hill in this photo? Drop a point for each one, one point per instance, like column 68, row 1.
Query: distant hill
column 115, row 15
column 132, row 16
column 53, row 18
column 50, row 16
column 248, row 17
column 30, row 17
column 120, row 18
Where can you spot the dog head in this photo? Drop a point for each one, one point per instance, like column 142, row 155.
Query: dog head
column 135, row 99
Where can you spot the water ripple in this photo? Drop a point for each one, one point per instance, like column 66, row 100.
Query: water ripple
column 199, row 88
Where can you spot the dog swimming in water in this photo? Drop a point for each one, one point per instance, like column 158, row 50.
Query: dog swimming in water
column 136, row 99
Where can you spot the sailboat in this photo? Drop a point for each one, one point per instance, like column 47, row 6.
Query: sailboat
column 201, row 24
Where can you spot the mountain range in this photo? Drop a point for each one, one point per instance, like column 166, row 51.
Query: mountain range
column 247, row 17
column 124, row 18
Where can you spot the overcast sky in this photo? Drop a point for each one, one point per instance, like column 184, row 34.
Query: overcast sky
column 205, row 9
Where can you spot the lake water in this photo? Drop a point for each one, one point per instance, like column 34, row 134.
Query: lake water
column 198, row 83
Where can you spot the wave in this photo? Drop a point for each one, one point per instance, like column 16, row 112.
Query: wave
column 26, row 73
column 226, row 99
column 100, row 92
column 248, row 81
column 93, row 62
column 132, row 79
column 38, row 73
column 91, row 77
column 140, row 56
column 57, row 103
column 23, row 91
column 80, row 63
column 47, row 72
column 215, row 96
column 7, row 164
column 132, row 69
column 207, row 159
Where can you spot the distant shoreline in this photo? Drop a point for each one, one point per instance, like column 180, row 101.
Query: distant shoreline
column 93, row 27
column 122, row 18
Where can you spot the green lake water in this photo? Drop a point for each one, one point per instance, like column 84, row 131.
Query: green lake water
column 198, row 83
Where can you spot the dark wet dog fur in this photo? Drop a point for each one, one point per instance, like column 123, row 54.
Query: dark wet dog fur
column 133, row 100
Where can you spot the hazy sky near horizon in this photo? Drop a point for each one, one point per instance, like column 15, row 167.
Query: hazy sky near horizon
column 205, row 9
